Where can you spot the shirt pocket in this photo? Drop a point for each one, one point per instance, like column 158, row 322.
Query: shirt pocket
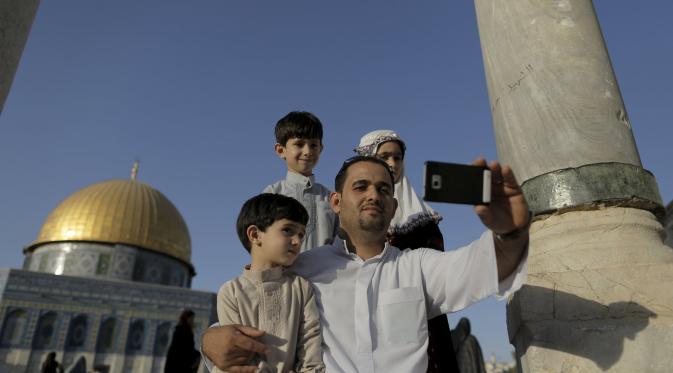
column 402, row 316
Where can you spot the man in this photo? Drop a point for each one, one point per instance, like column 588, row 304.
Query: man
column 373, row 298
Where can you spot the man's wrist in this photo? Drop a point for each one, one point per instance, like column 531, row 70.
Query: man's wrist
column 516, row 233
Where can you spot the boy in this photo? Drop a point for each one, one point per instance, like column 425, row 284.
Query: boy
column 264, row 296
column 299, row 144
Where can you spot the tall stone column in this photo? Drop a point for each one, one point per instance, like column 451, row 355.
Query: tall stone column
column 599, row 291
column 16, row 18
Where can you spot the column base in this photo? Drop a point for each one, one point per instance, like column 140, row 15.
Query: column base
column 598, row 295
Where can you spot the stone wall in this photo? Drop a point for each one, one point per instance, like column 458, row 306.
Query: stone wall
column 67, row 315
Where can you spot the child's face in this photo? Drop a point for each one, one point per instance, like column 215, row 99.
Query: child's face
column 391, row 153
column 279, row 245
column 301, row 155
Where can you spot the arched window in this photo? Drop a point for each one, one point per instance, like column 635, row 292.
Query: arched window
column 176, row 278
column 136, row 337
column 45, row 332
column 77, row 332
column 162, row 339
column 106, row 335
column 153, row 274
column 13, row 328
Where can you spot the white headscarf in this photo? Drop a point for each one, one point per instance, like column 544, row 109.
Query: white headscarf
column 411, row 211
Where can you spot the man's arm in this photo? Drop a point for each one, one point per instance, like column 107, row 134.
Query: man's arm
column 507, row 216
column 509, row 250
column 231, row 346
column 455, row 279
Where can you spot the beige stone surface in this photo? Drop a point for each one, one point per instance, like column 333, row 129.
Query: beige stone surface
column 598, row 296
column 16, row 18
column 554, row 97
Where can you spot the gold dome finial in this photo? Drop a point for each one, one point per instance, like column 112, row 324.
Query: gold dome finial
column 134, row 170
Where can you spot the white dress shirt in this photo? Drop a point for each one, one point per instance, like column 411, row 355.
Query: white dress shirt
column 374, row 312
column 323, row 223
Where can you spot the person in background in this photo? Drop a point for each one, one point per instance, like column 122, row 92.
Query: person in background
column 182, row 357
column 414, row 225
column 468, row 352
column 50, row 364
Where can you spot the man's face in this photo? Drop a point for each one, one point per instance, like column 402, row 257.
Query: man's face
column 366, row 203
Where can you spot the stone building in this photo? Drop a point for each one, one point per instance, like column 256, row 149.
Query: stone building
column 104, row 282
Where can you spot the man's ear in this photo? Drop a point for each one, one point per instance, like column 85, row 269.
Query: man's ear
column 254, row 234
column 335, row 202
column 322, row 147
column 280, row 150
column 395, row 205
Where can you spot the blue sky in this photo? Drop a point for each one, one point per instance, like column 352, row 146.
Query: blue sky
column 193, row 90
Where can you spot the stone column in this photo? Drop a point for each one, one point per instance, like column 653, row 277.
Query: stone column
column 16, row 18
column 598, row 295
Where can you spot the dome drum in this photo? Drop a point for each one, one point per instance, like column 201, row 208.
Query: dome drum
column 100, row 260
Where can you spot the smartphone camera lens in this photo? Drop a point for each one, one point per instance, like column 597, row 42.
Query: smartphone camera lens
column 436, row 182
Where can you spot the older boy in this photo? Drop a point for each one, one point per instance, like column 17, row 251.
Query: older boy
column 265, row 296
column 299, row 144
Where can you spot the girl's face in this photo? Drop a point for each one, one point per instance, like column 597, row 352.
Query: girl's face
column 391, row 153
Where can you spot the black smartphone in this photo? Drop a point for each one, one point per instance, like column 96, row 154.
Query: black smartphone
column 457, row 183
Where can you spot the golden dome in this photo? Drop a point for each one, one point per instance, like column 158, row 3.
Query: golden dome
column 119, row 211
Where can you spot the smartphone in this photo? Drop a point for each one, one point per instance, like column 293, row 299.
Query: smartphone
column 456, row 183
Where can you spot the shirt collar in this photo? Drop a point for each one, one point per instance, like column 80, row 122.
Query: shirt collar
column 266, row 275
column 342, row 248
column 294, row 177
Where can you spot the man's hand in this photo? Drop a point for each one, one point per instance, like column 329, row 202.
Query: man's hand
column 508, row 209
column 231, row 347
column 507, row 212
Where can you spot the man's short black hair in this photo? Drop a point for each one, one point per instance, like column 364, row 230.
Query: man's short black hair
column 298, row 124
column 340, row 178
column 265, row 209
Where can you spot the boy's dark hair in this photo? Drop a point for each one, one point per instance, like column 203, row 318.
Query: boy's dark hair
column 263, row 210
column 298, row 124
column 340, row 178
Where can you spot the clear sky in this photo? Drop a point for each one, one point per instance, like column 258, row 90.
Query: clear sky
column 193, row 90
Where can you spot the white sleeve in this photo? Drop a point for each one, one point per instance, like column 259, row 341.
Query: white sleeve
column 456, row 279
column 209, row 364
